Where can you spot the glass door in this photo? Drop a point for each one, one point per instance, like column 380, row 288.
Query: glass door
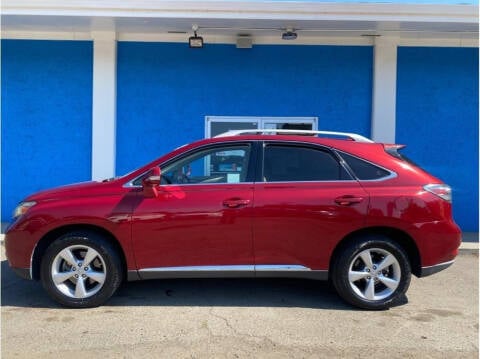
column 216, row 125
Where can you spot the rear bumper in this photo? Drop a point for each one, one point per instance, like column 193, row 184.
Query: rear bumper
column 438, row 243
column 426, row 271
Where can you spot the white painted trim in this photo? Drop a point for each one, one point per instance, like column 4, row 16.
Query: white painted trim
column 45, row 35
column 287, row 10
column 459, row 41
column 332, row 39
column 104, row 105
column 417, row 39
column 384, row 89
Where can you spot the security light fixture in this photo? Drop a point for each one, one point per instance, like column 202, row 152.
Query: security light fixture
column 195, row 42
column 289, row 34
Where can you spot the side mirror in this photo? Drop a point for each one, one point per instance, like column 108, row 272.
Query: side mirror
column 151, row 182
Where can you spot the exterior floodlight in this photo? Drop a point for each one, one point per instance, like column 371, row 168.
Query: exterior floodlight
column 289, row 34
column 195, row 41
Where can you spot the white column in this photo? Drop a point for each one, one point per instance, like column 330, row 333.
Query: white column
column 104, row 104
column 384, row 89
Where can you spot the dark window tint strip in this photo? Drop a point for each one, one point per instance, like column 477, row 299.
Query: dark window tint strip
column 364, row 170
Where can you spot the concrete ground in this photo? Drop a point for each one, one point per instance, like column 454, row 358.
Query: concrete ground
column 240, row 318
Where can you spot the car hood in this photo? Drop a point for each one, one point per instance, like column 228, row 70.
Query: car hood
column 83, row 189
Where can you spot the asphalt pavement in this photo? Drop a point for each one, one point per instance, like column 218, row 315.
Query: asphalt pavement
column 245, row 318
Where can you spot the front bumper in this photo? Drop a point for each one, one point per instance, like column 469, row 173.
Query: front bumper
column 19, row 248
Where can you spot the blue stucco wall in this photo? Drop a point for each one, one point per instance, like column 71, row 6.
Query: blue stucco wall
column 46, row 116
column 165, row 90
column 437, row 116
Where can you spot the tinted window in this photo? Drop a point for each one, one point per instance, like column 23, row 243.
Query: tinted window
column 227, row 164
column 217, row 165
column 292, row 163
column 364, row 170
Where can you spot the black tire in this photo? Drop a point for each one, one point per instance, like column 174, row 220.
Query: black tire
column 75, row 286
column 390, row 283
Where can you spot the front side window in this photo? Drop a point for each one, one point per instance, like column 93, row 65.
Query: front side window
column 295, row 163
column 215, row 165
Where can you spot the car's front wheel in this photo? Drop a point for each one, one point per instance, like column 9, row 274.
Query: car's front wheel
column 81, row 269
column 372, row 272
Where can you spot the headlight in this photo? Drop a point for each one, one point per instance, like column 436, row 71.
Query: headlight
column 22, row 208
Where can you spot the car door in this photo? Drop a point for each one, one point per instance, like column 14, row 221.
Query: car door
column 305, row 202
column 202, row 216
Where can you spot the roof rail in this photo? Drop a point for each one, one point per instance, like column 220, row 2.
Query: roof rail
column 352, row 136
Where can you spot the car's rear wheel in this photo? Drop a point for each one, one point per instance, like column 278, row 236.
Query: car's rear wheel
column 81, row 269
column 372, row 272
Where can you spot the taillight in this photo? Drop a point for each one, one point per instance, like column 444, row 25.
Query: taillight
column 441, row 190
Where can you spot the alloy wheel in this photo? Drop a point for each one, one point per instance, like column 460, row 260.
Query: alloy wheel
column 374, row 274
column 78, row 271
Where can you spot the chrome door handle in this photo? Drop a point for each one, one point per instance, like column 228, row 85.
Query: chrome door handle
column 236, row 202
column 348, row 200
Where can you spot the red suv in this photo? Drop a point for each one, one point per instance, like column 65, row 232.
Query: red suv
column 244, row 204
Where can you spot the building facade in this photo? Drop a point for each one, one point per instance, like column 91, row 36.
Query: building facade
column 91, row 91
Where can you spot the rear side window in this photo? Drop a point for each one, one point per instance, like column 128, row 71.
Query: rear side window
column 293, row 163
column 364, row 170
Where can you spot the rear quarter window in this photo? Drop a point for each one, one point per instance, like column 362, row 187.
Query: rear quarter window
column 364, row 170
